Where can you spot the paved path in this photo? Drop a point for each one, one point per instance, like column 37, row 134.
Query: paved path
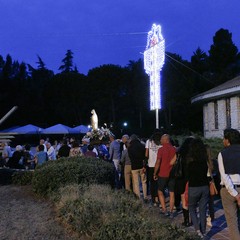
column 218, row 230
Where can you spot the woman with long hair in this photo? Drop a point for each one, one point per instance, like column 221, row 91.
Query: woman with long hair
column 198, row 190
column 180, row 183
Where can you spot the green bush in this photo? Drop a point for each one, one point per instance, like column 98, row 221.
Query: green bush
column 54, row 174
column 103, row 213
column 216, row 145
column 22, row 177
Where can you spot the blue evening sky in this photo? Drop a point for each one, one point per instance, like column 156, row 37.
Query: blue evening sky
column 109, row 31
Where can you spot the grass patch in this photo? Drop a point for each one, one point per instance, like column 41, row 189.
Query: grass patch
column 100, row 212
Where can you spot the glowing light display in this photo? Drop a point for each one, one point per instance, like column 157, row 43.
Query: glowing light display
column 154, row 57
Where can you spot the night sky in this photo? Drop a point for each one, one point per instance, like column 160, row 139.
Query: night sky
column 109, row 31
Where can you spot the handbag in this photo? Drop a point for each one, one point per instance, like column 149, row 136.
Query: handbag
column 212, row 188
column 176, row 171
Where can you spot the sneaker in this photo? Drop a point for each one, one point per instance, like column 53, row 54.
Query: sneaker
column 166, row 214
column 171, row 215
column 155, row 204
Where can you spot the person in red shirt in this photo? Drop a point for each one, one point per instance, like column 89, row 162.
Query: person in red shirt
column 166, row 158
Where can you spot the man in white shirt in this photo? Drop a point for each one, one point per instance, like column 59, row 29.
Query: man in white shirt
column 42, row 142
column 229, row 168
column 51, row 151
column 151, row 149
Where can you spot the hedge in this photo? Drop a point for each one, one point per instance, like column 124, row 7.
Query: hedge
column 52, row 175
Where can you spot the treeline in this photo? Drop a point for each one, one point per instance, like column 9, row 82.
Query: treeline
column 118, row 94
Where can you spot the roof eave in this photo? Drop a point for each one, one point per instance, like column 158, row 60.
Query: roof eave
column 218, row 94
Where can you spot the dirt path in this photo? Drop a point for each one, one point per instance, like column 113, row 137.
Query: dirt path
column 24, row 217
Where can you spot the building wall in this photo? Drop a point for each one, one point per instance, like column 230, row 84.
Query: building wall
column 235, row 112
column 222, row 118
column 209, row 115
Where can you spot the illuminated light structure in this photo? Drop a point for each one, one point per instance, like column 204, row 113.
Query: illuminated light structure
column 154, row 57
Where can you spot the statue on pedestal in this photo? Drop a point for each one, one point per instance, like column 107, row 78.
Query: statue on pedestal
column 94, row 120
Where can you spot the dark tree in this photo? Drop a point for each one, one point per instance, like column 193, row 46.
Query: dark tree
column 7, row 68
column 199, row 61
column 67, row 63
column 2, row 62
column 223, row 57
column 22, row 74
column 201, row 71
column 107, row 89
column 68, row 97
column 41, row 64
column 138, row 88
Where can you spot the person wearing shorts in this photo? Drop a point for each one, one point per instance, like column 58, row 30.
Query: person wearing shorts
column 165, row 159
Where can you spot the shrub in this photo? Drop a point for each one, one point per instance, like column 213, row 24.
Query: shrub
column 216, row 145
column 22, row 177
column 54, row 174
column 103, row 213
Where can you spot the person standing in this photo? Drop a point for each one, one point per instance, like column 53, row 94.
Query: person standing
column 85, row 143
column 28, row 157
column 43, row 142
column 64, row 150
column 41, row 156
column 6, row 154
column 75, row 150
column 180, row 182
column 114, row 152
column 17, row 158
column 90, row 152
column 166, row 157
column 50, row 151
column 151, row 149
column 229, row 168
column 198, row 184
column 136, row 152
column 126, row 163
column 123, row 147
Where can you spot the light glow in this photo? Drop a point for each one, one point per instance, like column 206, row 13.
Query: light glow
column 154, row 57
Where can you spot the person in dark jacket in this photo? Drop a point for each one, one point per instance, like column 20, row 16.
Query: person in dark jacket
column 198, row 185
column 14, row 161
column 180, row 183
column 229, row 168
column 136, row 152
column 64, row 150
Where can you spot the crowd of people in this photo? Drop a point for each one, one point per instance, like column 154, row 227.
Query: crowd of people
column 25, row 157
column 145, row 168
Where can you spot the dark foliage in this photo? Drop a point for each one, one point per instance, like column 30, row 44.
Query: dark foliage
column 54, row 174
column 118, row 94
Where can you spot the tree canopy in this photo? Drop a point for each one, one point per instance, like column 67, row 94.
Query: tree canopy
column 119, row 94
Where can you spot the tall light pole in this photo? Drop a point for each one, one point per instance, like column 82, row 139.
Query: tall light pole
column 154, row 57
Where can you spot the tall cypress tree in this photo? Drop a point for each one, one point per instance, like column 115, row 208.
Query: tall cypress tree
column 67, row 63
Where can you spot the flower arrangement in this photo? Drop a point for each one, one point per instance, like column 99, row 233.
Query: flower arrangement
column 98, row 134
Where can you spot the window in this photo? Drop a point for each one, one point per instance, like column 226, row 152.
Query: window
column 228, row 113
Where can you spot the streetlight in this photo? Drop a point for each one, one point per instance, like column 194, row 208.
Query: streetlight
column 124, row 125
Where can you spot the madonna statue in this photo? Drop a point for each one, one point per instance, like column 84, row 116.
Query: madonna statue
column 94, row 120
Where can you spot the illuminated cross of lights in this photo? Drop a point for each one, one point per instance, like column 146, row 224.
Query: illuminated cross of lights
column 154, row 57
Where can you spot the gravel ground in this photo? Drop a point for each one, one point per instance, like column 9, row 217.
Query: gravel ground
column 24, row 216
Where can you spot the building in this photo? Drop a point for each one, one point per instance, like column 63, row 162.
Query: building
column 221, row 108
